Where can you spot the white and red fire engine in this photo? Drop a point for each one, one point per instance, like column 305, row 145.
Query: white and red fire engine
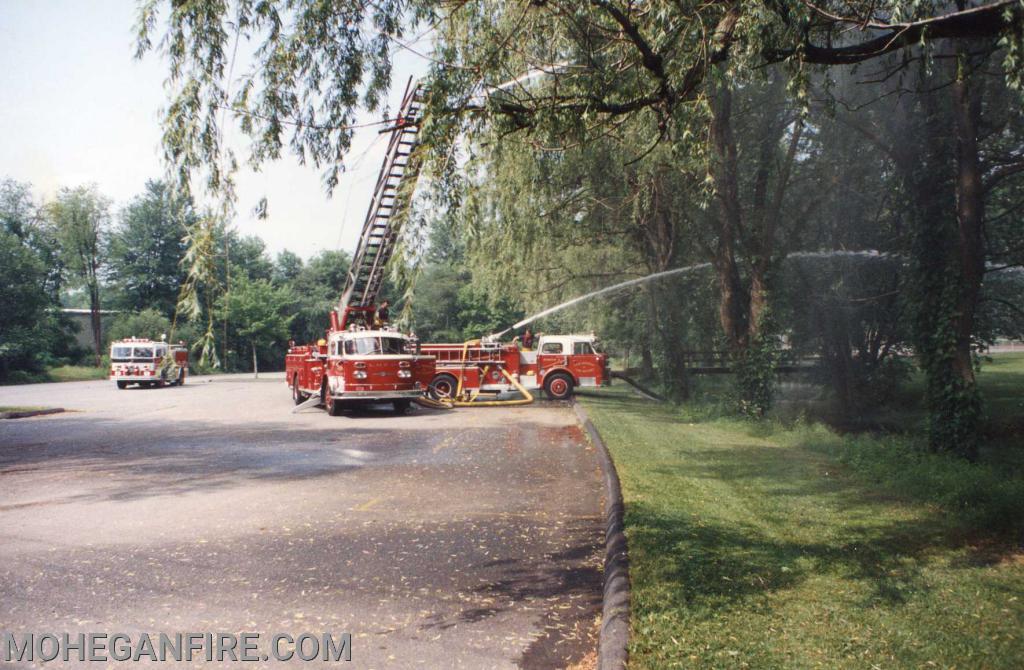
column 360, row 361
column 559, row 365
column 148, row 363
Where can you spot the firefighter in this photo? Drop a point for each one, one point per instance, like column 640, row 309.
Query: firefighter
column 528, row 340
column 383, row 315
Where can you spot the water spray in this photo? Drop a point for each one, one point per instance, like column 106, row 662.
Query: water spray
column 594, row 294
column 839, row 253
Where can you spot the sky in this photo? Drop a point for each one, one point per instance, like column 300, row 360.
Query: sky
column 76, row 108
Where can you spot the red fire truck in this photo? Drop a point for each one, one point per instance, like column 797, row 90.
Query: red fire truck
column 359, row 366
column 558, row 365
column 360, row 360
column 148, row 363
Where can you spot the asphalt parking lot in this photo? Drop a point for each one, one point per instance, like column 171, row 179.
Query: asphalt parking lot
column 463, row 538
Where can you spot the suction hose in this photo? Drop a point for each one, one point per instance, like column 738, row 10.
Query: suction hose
column 434, row 404
column 470, row 400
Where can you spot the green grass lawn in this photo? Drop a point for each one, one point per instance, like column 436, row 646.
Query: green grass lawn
column 62, row 373
column 76, row 373
column 773, row 547
column 16, row 408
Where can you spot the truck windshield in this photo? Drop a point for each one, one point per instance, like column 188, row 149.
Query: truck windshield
column 143, row 352
column 120, row 352
column 363, row 346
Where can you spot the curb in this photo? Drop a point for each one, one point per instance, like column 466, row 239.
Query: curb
column 611, row 646
column 30, row 412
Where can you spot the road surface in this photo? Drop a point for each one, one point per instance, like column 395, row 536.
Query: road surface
column 466, row 538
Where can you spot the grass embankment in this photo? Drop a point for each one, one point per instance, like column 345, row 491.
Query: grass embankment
column 63, row 373
column 770, row 546
column 77, row 373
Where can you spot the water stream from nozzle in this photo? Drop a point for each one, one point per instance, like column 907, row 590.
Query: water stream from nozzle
column 838, row 253
column 601, row 291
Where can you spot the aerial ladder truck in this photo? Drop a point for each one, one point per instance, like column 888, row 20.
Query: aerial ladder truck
column 361, row 361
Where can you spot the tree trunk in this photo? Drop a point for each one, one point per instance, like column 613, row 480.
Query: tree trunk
column 947, row 211
column 255, row 365
column 970, row 211
column 646, row 357
column 970, row 214
column 731, row 306
column 95, row 321
column 646, row 361
column 768, row 221
column 673, row 373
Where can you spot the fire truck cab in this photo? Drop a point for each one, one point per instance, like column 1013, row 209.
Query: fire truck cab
column 559, row 365
column 148, row 363
column 575, row 356
column 359, row 366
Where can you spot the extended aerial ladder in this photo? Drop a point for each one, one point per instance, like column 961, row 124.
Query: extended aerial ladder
column 392, row 196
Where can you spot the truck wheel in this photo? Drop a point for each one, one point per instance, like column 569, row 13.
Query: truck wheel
column 558, row 386
column 401, row 406
column 443, row 386
column 296, row 393
column 122, row 385
column 332, row 405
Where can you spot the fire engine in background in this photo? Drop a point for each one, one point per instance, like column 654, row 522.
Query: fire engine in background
column 148, row 363
column 559, row 365
column 361, row 361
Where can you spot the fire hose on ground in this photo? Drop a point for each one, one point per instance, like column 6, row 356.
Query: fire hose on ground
column 471, row 399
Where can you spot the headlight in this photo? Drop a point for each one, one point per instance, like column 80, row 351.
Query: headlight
column 404, row 374
column 359, row 374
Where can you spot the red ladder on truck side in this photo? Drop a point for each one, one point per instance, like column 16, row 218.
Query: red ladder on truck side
column 398, row 174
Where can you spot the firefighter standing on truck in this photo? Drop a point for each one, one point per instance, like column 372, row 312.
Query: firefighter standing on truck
column 528, row 340
column 383, row 315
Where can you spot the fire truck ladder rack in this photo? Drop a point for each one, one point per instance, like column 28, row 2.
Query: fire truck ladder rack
column 391, row 199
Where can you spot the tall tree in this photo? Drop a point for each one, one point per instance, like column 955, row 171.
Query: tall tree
column 147, row 247
column 80, row 218
column 256, row 312
column 23, row 304
column 317, row 288
column 23, row 216
column 287, row 267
